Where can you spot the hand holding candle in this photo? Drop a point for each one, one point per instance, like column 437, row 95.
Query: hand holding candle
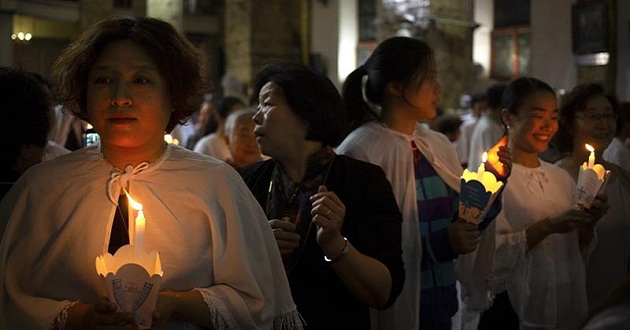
column 477, row 192
column 132, row 277
column 591, row 180
column 498, row 160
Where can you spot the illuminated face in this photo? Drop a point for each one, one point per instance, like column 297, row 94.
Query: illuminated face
column 127, row 101
column 279, row 130
column 536, row 122
column 596, row 125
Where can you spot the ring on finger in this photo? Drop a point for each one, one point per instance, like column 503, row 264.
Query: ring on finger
column 329, row 211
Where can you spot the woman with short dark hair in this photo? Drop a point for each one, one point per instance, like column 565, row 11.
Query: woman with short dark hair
column 133, row 79
column 334, row 218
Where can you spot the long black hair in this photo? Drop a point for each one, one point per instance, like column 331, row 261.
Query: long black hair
column 397, row 59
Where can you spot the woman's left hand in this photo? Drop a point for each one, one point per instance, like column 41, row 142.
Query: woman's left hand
column 328, row 214
column 506, row 159
column 599, row 207
column 165, row 308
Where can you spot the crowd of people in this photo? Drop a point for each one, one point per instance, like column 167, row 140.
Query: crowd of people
column 306, row 206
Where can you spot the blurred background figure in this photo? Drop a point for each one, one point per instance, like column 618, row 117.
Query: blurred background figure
column 53, row 149
column 489, row 128
column 24, row 124
column 240, row 137
column 618, row 152
column 214, row 142
column 197, row 125
column 477, row 107
column 588, row 115
column 449, row 125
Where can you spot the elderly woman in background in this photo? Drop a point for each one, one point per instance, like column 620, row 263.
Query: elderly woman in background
column 241, row 140
column 335, row 218
column 134, row 79
column 588, row 116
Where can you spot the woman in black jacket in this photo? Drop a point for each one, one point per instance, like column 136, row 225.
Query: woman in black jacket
column 335, row 218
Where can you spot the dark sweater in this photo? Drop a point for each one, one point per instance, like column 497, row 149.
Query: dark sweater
column 372, row 225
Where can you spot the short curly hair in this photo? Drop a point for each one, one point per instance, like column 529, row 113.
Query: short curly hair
column 180, row 63
column 573, row 102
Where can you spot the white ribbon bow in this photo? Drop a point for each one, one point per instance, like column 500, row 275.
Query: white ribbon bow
column 118, row 179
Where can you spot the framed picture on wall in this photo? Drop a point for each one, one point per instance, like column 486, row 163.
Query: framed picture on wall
column 589, row 22
column 510, row 53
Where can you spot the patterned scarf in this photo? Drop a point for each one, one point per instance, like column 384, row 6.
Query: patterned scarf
column 290, row 201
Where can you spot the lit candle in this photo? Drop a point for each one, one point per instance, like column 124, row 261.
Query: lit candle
column 477, row 192
column 482, row 166
column 140, row 223
column 591, row 157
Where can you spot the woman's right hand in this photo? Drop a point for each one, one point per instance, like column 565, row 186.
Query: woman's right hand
column 103, row 314
column 286, row 238
column 463, row 236
column 568, row 221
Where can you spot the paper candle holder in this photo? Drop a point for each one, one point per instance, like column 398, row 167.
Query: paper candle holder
column 592, row 179
column 478, row 190
column 132, row 281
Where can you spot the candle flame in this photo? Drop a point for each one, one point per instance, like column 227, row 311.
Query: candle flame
column 589, row 147
column 484, row 157
column 137, row 206
column 168, row 138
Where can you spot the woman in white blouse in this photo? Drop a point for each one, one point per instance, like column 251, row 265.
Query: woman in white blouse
column 538, row 260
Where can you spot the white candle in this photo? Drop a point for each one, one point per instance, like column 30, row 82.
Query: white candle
column 140, row 224
column 591, row 157
column 482, row 166
column 139, row 228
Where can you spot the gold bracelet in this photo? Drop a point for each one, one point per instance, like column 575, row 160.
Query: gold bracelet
column 344, row 252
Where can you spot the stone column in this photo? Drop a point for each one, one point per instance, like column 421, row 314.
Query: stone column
column 6, row 44
column 259, row 31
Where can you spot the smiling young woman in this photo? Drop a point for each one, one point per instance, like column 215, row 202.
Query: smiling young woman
column 538, row 272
